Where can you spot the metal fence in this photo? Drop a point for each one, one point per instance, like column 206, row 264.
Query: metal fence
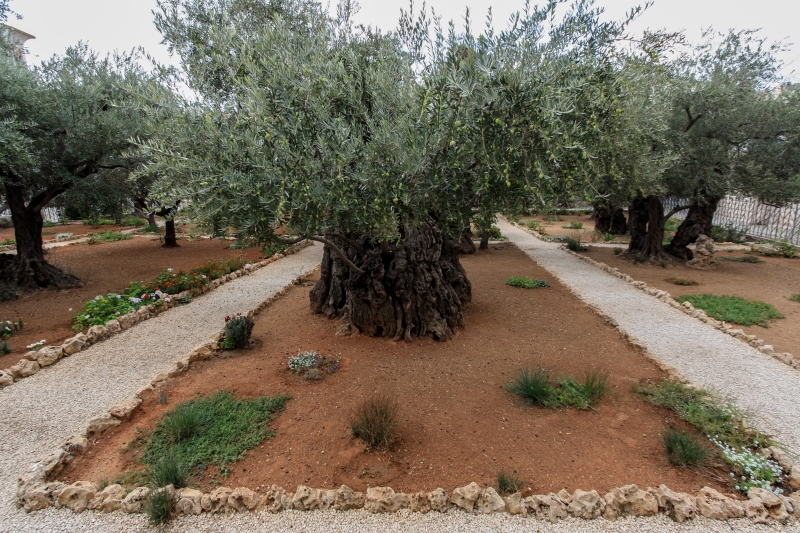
column 50, row 214
column 754, row 218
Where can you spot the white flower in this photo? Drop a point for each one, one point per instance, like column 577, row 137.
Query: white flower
column 119, row 296
column 169, row 270
column 97, row 298
column 167, row 299
column 87, row 317
column 117, row 313
column 204, row 276
column 70, row 309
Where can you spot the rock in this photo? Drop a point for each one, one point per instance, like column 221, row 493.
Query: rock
column 124, row 409
column 785, row 358
column 385, row 500
column 135, row 501
column 243, row 499
column 46, row 356
column 680, row 507
column 188, row 501
column 347, row 498
column 754, row 510
column 41, row 496
column 128, row 320
column 113, row 327
column 771, row 502
column 465, row 497
column 143, row 313
column 490, row 502
column 200, row 353
column 77, row 496
column 703, row 253
column 308, row 499
column 546, row 507
column 782, row 458
column 438, row 500
column 75, row 344
column 112, row 493
column 23, row 369
column 629, row 500
column 515, row 505
column 6, row 378
column 716, row 506
column 217, row 501
column 794, row 477
column 274, row 499
column 767, row 349
column 687, row 305
column 588, row 505
column 97, row 333
column 100, row 424
column 75, row 445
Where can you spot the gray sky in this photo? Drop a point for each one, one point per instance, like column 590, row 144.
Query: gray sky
column 124, row 24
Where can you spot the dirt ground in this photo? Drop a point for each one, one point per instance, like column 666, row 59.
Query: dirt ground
column 77, row 228
column 772, row 281
column 555, row 228
column 459, row 424
column 103, row 267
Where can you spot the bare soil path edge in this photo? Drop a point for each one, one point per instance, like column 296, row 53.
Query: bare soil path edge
column 706, row 357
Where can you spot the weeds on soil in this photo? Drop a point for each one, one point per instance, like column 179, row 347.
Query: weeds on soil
column 617, row 251
column 376, row 422
column 5, row 348
column 575, row 245
column 150, row 229
column 109, row 236
column 733, row 309
column 684, row 449
column 237, row 332
column 795, row 298
column 508, row 482
column 683, row 282
column 742, row 259
column 536, row 388
column 527, row 283
column 168, row 470
column 312, row 365
column 159, row 506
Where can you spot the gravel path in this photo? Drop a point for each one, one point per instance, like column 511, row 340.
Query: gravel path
column 43, row 409
column 706, row 357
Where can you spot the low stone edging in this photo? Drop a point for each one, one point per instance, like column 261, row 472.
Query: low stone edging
column 33, row 361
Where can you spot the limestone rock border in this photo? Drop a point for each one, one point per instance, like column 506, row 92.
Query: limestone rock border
column 33, row 361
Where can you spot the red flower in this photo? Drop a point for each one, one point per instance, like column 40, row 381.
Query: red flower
column 227, row 319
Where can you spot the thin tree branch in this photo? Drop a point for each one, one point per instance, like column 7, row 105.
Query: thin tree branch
column 676, row 209
column 351, row 242
column 336, row 249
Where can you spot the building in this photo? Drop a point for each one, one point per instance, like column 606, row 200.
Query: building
column 18, row 38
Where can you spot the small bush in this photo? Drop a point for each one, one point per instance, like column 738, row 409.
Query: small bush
column 168, row 471
column 496, row 234
column 534, row 225
column 237, row 332
column 520, row 222
column 573, row 225
column 617, row 251
column 133, row 222
column 727, row 234
column 150, row 229
column 683, row 449
column 8, row 242
column 314, row 374
column 184, row 422
column 508, row 482
column 5, row 348
column 304, row 361
column 526, row 283
column 683, row 282
column 575, row 245
column 608, row 237
column 376, row 422
column 594, row 385
column 534, row 387
column 160, row 506
column 742, row 259
column 109, row 236
column 733, row 309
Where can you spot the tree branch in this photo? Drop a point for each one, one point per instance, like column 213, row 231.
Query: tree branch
column 676, row 209
column 351, row 242
column 336, row 249
column 692, row 121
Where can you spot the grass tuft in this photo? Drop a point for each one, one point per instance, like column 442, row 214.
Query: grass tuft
column 508, row 482
column 575, row 245
column 536, row 388
column 168, row 471
column 733, row 309
column 617, row 251
column 376, row 422
column 684, row 449
column 795, row 298
column 683, row 282
column 526, row 283
column 160, row 506
column 573, row 225
column 150, row 229
column 742, row 259
column 184, row 421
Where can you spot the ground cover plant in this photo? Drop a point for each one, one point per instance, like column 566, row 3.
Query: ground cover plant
column 108, row 236
column 573, row 225
column 150, row 229
column 575, row 245
column 684, row 449
column 728, row 234
column 733, row 309
column 795, row 298
column 527, row 283
column 237, row 332
column 314, row 366
column 377, row 422
column 725, row 426
column 168, row 282
column 683, row 282
column 742, row 259
column 508, row 482
column 535, row 387
column 782, row 248
column 214, row 430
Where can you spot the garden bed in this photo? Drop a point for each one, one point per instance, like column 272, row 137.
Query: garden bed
column 458, row 423
column 556, row 228
column 110, row 267
column 773, row 281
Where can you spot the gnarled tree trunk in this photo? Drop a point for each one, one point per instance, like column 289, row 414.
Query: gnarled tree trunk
column 637, row 222
column 484, row 241
column 419, row 288
column 170, row 239
column 467, row 246
column 28, row 270
column 654, row 240
column 602, row 218
column 610, row 219
column 619, row 226
column 698, row 221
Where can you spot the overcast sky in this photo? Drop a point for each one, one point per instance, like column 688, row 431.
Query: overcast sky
column 109, row 25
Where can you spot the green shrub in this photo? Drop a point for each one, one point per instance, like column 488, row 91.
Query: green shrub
column 684, row 449
column 376, row 422
column 534, row 225
column 160, row 505
column 728, row 234
column 617, row 251
column 526, row 283
column 97, row 221
column 782, row 248
column 496, row 234
column 733, row 309
column 48, row 224
column 508, row 482
column 575, row 245
column 795, row 298
column 230, row 427
column 573, row 225
column 536, row 388
column 5, row 348
column 683, row 282
column 150, row 229
column 608, row 237
column 133, row 222
column 109, row 236
column 168, row 470
column 237, row 332
column 742, row 259
column 185, row 421
column 671, row 224
column 8, row 242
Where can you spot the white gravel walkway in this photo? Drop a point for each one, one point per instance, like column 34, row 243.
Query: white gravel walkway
column 40, row 411
column 707, row 357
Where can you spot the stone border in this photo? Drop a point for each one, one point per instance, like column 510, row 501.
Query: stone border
column 133, row 231
column 33, row 361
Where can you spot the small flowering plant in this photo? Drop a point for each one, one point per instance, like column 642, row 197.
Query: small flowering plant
column 314, row 366
column 751, row 469
column 36, row 345
column 237, row 332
